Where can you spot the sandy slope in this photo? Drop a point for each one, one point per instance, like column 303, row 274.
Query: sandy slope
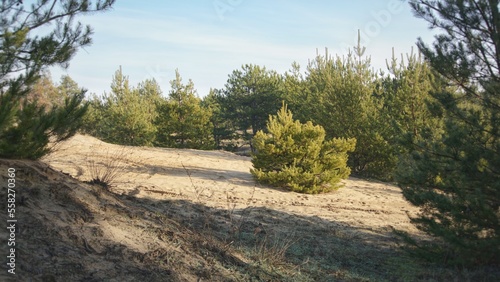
column 222, row 180
column 70, row 231
column 188, row 215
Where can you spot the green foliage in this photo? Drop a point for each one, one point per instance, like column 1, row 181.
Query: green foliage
column 297, row 156
column 67, row 88
column 36, row 126
column 93, row 120
column 183, row 122
column 455, row 175
column 141, row 116
column 224, row 130
column 347, row 98
column 126, row 115
column 406, row 94
column 340, row 95
column 26, row 127
column 250, row 96
column 296, row 92
column 405, row 97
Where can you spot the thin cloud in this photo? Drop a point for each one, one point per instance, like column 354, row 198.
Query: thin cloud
column 156, row 39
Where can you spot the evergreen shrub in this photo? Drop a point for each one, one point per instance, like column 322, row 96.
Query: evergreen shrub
column 296, row 156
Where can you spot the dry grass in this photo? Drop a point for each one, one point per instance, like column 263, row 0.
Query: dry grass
column 236, row 221
column 210, row 209
column 267, row 250
column 105, row 166
column 272, row 248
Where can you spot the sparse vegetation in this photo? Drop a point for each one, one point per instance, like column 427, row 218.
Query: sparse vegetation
column 105, row 168
column 236, row 220
column 184, row 237
column 271, row 249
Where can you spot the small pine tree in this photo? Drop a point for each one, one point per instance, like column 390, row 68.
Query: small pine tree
column 405, row 95
column 182, row 121
column 126, row 115
column 67, row 88
column 297, row 156
column 130, row 112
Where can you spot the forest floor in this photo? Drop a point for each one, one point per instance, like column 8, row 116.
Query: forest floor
column 189, row 215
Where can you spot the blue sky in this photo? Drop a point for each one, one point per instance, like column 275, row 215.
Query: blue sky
column 207, row 39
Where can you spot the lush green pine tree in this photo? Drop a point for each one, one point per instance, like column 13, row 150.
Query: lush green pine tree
column 456, row 176
column 296, row 92
column 126, row 115
column 250, row 96
column 298, row 157
column 340, row 96
column 25, row 126
column 224, row 130
column 405, row 95
column 93, row 120
column 183, row 122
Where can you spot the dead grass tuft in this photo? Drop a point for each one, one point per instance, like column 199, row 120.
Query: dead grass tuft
column 105, row 166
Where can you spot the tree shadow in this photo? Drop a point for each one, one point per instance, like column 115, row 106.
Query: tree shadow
column 219, row 154
column 148, row 170
column 318, row 249
column 52, row 228
column 196, row 173
column 60, row 238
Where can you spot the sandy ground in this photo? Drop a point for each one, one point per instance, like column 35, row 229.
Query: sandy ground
column 188, row 215
column 222, row 180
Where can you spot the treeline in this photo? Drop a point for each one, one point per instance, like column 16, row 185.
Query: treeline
column 143, row 116
column 344, row 95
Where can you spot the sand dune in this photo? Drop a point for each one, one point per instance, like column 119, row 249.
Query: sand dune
column 222, row 180
column 189, row 215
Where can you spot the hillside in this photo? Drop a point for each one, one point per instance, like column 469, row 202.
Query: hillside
column 188, row 215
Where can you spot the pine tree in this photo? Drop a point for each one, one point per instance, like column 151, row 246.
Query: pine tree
column 94, row 119
column 26, row 127
column 456, row 176
column 297, row 156
column 405, row 95
column 128, row 114
column 250, row 96
column 44, row 92
column 67, row 88
column 340, row 97
column 224, row 130
column 297, row 94
column 48, row 94
column 183, row 122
